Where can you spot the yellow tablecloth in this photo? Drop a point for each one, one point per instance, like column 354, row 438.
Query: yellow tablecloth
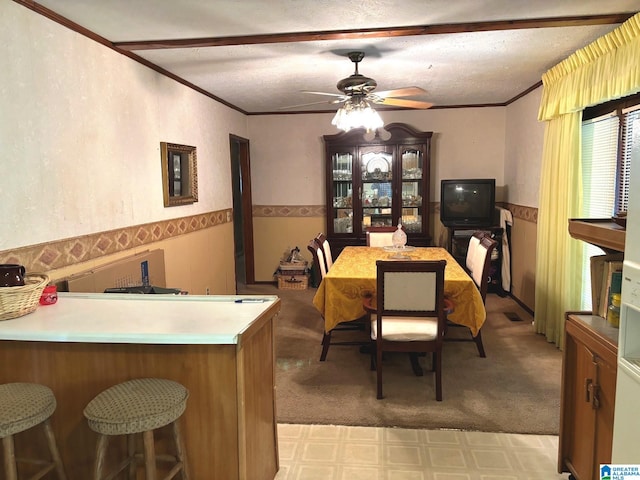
column 353, row 276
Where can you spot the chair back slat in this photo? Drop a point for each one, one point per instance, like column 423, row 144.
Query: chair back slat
column 380, row 236
column 414, row 288
column 482, row 265
column 410, row 291
column 321, row 240
column 474, row 241
column 318, row 257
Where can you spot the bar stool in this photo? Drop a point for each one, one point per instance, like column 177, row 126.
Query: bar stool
column 139, row 406
column 22, row 406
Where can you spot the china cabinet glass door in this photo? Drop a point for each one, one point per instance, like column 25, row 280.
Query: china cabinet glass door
column 413, row 201
column 376, row 182
column 342, row 191
column 376, row 166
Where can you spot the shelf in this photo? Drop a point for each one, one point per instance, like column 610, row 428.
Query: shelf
column 601, row 232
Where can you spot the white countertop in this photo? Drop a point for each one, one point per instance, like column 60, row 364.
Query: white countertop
column 136, row 318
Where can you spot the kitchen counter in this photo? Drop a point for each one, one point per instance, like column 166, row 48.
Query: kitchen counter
column 134, row 318
column 220, row 350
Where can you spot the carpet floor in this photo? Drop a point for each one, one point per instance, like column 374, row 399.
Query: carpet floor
column 515, row 389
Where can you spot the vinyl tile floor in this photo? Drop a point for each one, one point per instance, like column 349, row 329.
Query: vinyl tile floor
column 328, row 452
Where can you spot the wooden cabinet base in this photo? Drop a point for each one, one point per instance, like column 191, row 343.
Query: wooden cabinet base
column 229, row 424
column 589, row 374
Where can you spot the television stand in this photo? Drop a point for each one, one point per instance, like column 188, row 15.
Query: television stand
column 458, row 243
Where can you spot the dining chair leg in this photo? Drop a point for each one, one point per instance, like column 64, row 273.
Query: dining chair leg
column 372, row 355
column 438, row 369
column 415, row 364
column 379, row 372
column 478, row 341
column 326, row 341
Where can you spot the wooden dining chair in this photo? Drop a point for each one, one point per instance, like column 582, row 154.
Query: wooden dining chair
column 357, row 324
column 474, row 241
column 321, row 239
column 480, row 273
column 409, row 315
column 380, row 236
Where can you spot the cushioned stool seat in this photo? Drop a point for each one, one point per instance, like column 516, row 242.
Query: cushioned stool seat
column 23, row 406
column 139, row 406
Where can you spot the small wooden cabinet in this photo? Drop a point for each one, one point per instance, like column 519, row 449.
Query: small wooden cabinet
column 377, row 181
column 589, row 371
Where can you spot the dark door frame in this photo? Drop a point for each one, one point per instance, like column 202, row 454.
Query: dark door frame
column 246, row 201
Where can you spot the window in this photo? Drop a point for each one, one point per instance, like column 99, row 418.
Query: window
column 608, row 134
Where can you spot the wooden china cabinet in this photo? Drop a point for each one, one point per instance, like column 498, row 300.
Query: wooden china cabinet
column 375, row 180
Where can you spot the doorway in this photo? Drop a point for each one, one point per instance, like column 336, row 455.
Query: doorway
column 242, row 211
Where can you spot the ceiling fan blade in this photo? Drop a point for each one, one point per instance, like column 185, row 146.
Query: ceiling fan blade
column 324, row 93
column 324, row 102
column 397, row 102
column 402, row 92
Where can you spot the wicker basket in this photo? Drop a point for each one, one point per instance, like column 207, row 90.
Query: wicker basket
column 18, row 301
column 293, row 282
column 292, row 268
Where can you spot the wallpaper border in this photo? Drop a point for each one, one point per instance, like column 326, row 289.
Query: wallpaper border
column 69, row 251
column 529, row 214
column 61, row 253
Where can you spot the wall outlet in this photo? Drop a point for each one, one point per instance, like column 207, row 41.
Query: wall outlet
column 207, row 291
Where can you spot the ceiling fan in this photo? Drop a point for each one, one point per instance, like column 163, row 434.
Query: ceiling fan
column 358, row 87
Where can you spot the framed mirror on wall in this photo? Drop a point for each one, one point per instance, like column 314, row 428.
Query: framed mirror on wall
column 179, row 174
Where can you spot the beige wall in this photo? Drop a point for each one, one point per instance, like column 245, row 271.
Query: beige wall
column 523, row 255
column 80, row 130
column 191, row 263
column 524, row 137
column 277, row 235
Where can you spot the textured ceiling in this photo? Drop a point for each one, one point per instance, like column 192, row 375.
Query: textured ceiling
column 266, row 53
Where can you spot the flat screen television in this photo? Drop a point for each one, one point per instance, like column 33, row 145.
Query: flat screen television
column 468, row 202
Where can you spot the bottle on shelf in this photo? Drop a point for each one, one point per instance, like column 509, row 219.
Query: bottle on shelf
column 613, row 315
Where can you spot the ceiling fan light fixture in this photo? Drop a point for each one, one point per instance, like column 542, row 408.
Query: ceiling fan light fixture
column 357, row 113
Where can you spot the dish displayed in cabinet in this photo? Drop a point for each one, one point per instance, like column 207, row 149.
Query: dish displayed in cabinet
column 342, row 174
column 412, row 173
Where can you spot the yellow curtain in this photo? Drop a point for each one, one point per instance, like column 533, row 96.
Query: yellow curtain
column 604, row 70
column 558, row 279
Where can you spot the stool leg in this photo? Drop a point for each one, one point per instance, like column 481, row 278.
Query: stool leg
column 149, row 455
column 53, row 448
column 131, row 451
column 101, row 450
column 9, row 458
column 180, row 450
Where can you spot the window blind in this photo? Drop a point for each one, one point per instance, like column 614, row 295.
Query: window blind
column 599, row 166
column 607, row 143
column 630, row 137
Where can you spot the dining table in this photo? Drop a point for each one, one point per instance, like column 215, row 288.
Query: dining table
column 352, row 278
